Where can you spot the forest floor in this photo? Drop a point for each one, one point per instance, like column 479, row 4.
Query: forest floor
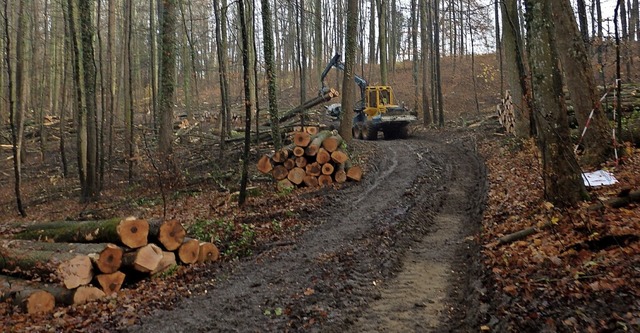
column 412, row 247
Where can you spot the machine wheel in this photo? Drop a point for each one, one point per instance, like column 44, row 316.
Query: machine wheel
column 357, row 132
column 370, row 133
column 403, row 132
column 389, row 134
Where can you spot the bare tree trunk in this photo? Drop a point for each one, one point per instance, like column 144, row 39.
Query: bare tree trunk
column 415, row 56
column 221, row 49
column 348, row 88
column 424, row 43
column 167, row 78
column 15, row 119
column 247, row 103
column 271, row 75
column 382, row 41
column 562, row 176
column 438, row 82
column 581, row 84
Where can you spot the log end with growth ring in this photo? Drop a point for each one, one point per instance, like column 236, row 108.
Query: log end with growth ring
column 76, row 272
column 189, row 250
column 110, row 283
column 86, row 294
column 109, row 260
column 34, row 301
column 172, row 234
column 208, row 252
column 133, row 232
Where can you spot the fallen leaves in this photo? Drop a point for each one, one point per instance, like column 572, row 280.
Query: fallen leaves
column 577, row 261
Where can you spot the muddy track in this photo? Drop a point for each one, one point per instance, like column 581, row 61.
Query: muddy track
column 382, row 255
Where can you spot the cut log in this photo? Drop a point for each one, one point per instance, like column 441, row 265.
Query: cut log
column 327, row 169
column 110, row 283
column 188, row 251
column 168, row 233
column 290, row 164
column 310, row 181
column 325, row 180
column 31, row 298
column 312, row 130
column 285, row 184
column 301, row 139
column 77, row 296
column 144, row 259
column 313, row 169
column 354, row 173
column 326, row 96
column 323, row 156
column 71, row 269
column 130, row 232
column 621, row 200
column 298, row 151
column 296, row 175
column 339, row 157
column 281, row 155
column 340, row 176
column 105, row 257
column 279, row 172
column 264, row 164
column 301, row 162
column 316, row 143
column 208, row 252
column 76, row 272
column 168, row 261
column 332, row 143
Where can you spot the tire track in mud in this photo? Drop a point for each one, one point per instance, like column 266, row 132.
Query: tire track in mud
column 342, row 267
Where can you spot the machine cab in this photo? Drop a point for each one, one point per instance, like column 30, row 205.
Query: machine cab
column 377, row 99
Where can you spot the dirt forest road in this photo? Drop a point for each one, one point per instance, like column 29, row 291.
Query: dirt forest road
column 393, row 253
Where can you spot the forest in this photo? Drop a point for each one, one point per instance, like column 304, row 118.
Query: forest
column 173, row 115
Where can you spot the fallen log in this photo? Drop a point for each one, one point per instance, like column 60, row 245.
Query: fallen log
column 188, row 251
column 105, row 257
column 27, row 295
column 340, row 175
column 339, row 157
column 354, row 173
column 332, row 143
column 325, row 180
column 110, row 283
column 130, row 232
column 325, row 97
column 144, row 259
column 520, row 234
column 327, row 169
column 323, row 156
column 301, row 139
column 316, row 143
column 313, row 169
column 279, row 172
column 264, row 164
column 208, row 252
column 167, row 262
column 77, row 296
column 168, row 233
column 71, row 269
column 296, row 175
column 624, row 199
column 310, row 181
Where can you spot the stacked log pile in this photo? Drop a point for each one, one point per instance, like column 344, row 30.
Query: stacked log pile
column 313, row 159
column 70, row 262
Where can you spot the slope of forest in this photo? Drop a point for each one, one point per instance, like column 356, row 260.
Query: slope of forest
column 578, row 274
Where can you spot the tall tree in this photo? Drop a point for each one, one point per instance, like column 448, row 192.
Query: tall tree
column 438, row 83
column 167, row 77
column 302, row 42
column 581, row 84
column 16, row 117
column 424, row 45
column 348, row 86
column 515, row 68
column 382, row 41
column 247, row 104
column 582, row 18
column 270, row 71
column 562, row 176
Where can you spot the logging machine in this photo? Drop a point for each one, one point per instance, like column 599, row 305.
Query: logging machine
column 376, row 111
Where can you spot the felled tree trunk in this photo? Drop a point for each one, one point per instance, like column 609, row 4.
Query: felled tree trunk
column 130, row 232
column 110, row 283
column 208, row 252
column 144, row 259
column 189, row 250
column 71, row 269
column 169, row 233
column 27, row 295
column 77, row 296
column 105, row 257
